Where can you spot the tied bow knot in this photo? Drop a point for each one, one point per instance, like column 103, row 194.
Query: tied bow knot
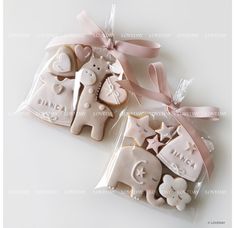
column 120, row 49
column 110, row 44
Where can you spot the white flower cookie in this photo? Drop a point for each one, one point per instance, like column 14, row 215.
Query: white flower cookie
column 173, row 189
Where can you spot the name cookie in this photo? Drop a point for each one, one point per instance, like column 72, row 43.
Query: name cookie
column 52, row 101
column 181, row 156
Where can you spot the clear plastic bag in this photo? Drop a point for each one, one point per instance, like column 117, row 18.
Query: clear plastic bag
column 77, row 81
column 156, row 161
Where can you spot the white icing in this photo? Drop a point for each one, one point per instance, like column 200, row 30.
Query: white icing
column 62, row 63
column 101, row 107
column 87, row 105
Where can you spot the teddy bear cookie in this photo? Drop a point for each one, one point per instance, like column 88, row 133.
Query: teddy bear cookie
column 99, row 90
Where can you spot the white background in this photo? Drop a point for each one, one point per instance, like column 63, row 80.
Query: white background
column 49, row 174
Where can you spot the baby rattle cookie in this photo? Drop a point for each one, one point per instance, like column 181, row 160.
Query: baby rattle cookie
column 174, row 190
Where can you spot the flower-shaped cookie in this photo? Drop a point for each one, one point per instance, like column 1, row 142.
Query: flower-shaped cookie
column 173, row 189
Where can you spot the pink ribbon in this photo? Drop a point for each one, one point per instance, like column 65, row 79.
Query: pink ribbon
column 163, row 95
column 96, row 37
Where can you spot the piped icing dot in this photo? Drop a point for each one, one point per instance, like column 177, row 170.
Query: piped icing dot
column 87, row 105
column 91, row 91
column 101, row 107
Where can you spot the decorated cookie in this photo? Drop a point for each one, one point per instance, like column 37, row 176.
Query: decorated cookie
column 182, row 156
column 165, row 132
column 154, row 144
column 89, row 111
column 174, row 190
column 116, row 68
column 111, row 92
column 63, row 63
column 52, row 101
column 83, row 53
column 138, row 129
column 138, row 169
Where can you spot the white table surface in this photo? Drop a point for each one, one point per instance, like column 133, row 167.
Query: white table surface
column 49, row 174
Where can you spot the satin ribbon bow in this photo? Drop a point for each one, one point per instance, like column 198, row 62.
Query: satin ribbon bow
column 120, row 49
column 181, row 114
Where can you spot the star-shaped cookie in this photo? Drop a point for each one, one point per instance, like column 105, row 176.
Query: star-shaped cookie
column 138, row 129
column 165, row 132
column 154, row 144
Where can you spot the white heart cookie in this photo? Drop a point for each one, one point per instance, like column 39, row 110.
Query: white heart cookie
column 58, row 88
column 62, row 63
column 111, row 92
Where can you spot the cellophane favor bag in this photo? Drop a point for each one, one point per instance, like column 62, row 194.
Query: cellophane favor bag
column 77, row 85
column 160, row 157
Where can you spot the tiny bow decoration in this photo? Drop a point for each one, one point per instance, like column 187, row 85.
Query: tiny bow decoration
column 120, row 49
column 163, row 95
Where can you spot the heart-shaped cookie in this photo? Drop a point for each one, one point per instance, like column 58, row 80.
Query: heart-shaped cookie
column 82, row 53
column 111, row 92
column 58, row 88
column 62, row 63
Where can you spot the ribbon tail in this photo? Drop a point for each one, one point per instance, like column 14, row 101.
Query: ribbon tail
column 140, row 91
column 202, row 112
column 89, row 25
column 158, row 77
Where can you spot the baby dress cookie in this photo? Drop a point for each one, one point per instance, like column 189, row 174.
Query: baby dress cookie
column 181, row 156
column 52, row 100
